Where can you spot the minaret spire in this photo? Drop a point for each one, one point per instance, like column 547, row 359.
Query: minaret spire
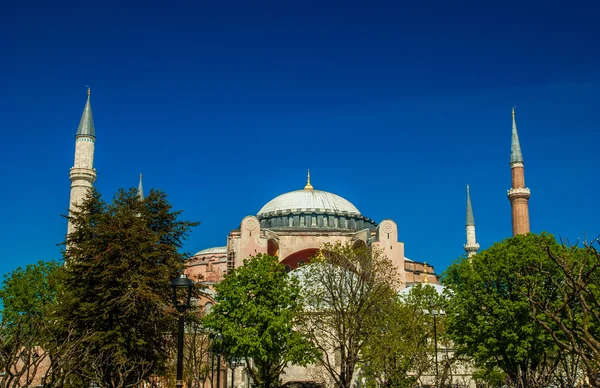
column 308, row 185
column 518, row 195
column 83, row 174
column 141, row 189
column 515, row 149
column 471, row 247
column 86, row 124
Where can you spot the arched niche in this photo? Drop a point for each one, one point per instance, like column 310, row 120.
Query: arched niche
column 272, row 247
column 359, row 244
column 296, row 259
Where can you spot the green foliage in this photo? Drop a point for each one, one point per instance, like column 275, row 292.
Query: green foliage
column 26, row 294
column 489, row 315
column 489, row 378
column 256, row 309
column 565, row 300
column 404, row 348
column 348, row 289
column 120, row 260
column 399, row 348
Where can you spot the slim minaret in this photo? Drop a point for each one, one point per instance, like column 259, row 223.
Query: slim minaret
column 82, row 173
column 141, row 190
column 471, row 247
column 518, row 195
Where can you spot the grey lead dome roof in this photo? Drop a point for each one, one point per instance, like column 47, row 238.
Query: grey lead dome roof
column 214, row 250
column 309, row 200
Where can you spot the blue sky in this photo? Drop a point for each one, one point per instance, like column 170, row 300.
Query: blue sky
column 395, row 106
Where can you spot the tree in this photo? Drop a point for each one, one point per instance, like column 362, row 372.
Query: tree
column 400, row 353
column 565, row 299
column 256, row 311
column 196, row 350
column 347, row 288
column 119, row 262
column 26, row 296
column 489, row 315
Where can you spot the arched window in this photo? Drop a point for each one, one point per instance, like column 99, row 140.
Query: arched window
column 302, row 219
column 290, row 220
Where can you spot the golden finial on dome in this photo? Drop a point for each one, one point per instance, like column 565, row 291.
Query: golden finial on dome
column 513, row 113
column 89, row 91
column 308, row 185
column 425, row 277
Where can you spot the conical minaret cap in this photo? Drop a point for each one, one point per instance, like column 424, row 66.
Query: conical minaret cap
column 86, row 124
column 515, row 149
column 470, row 218
column 141, row 189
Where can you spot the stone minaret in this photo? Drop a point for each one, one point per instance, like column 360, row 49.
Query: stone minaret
column 471, row 247
column 82, row 173
column 518, row 195
column 141, row 190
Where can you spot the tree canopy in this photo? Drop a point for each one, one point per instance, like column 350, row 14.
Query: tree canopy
column 404, row 348
column 489, row 314
column 27, row 296
column 119, row 262
column 256, row 311
column 347, row 289
column 565, row 301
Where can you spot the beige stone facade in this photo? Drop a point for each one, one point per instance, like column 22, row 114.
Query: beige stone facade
column 295, row 230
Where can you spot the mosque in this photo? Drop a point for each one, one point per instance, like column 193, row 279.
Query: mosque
column 294, row 225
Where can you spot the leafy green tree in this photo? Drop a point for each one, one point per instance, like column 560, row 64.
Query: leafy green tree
column 256, row 311
column 404, row 349
column 119, row 262
column 34, row 346
column 400, row 349
column 489, row 314
column 196, row 350
column 565, row 299
column 27, row 296
column 347, row 290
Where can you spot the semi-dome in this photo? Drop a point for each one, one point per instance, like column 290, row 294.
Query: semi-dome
column 213, row 250
column 309, row 201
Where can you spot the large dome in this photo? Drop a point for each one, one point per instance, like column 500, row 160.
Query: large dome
column 309, row 201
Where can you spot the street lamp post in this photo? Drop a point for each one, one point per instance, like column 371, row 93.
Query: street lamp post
column 435, row 314
column 217, row 349
column 233, row 363
column 182, row 294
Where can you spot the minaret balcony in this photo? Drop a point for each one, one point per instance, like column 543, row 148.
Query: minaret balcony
column 471, row 247
column 86, row 174
column 521, row 192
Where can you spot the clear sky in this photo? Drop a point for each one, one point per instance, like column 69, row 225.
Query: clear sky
column 395, row 106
